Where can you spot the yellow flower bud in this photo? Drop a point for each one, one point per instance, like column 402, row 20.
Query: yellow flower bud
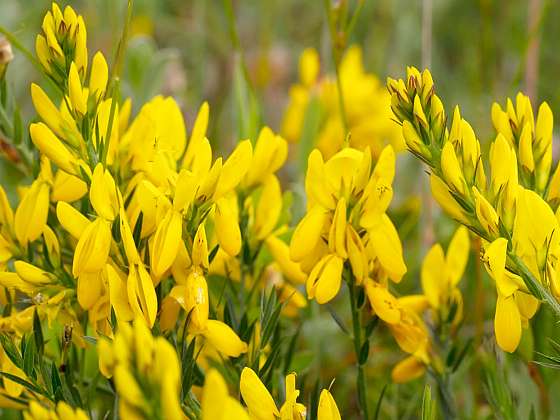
column 78, row 95
column 451, row 169
column 200, row 248
column 98, row 76
column 485, row 213
column 309, row 66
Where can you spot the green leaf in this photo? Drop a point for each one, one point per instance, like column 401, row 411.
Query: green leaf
column 38, row 334
column 364, row 353
column 11, row 350
column 24, row 383
column 338, row 320
column 428, row 405
column 379, row 401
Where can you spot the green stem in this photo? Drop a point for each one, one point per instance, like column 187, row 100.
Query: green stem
column 336, row 53
column 357, row 337
column 534, row 285
column 446, row 402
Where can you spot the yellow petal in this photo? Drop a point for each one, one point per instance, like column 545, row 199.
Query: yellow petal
column 89, row 289
column 103, row 193
column 269, row 207
column 214, row 396
column 385, row 241
column 74, row 222
column 31, row 215
column 383, row 303
column 118, row 295
column 78, row 98
column 325, row 279
column 98, row 76
column 327, row 409
column 281, row 254
column 197, row 135
column 67, row 187
column 49, row 145
column 507, row 323
column 227, row 225
column 434, row 276
column 48, row 112
column 234, row 168
column 457, row 255
column 224, row 339
column 407, row 370
column 92, row 249
column 141, row 294
column 166, row 242
column 259, row 402
column 200, row 248
column 307, row 233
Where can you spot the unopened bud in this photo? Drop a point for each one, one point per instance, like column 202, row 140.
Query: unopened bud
column 6, row 55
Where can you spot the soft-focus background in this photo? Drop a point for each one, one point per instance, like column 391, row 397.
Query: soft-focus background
column 479, row 52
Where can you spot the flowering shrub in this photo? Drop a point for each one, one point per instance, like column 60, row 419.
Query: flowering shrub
column 144, row 276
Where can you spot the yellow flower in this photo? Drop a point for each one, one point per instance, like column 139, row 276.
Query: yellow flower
column 193, row 298
column 63, row 411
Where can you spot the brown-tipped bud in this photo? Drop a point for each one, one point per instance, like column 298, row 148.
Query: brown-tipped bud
column 6, row 55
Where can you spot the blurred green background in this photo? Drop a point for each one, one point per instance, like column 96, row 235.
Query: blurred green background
column 478, row 51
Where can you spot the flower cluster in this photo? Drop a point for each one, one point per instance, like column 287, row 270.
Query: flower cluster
column 511, row 211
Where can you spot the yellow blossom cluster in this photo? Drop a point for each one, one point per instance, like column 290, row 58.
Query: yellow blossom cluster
column 365, row 100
